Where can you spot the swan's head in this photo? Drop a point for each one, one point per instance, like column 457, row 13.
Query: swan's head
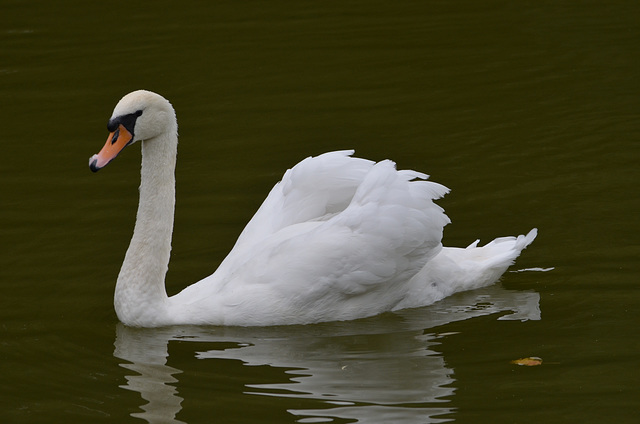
column 140, row 115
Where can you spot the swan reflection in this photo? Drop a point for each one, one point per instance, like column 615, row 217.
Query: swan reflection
column 382, row 369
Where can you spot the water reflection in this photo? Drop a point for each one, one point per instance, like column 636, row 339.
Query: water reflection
column 147, row 353
column 382, row 369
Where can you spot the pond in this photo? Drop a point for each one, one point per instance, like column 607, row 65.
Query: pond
column 528, row 111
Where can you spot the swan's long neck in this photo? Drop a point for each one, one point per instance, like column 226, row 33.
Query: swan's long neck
column 140, row 297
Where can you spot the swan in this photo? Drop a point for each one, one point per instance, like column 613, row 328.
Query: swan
column 338, row 238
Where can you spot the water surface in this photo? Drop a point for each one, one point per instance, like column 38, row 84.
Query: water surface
column 528, row 111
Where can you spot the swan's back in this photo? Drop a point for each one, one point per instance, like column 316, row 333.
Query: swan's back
column 337, row 238
column 315, row 189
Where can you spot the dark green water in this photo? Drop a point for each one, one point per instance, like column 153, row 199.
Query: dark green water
column 527, row 110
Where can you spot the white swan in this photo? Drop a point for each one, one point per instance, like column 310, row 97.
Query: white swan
column 338, row 238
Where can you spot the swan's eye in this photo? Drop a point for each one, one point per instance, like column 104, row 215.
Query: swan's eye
column 128, row 121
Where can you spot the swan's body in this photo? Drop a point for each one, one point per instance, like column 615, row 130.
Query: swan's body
column 338, row 238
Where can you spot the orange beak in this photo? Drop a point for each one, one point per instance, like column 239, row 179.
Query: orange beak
column 117, row 140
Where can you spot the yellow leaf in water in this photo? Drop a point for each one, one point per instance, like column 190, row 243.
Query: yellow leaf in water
column 531, row 361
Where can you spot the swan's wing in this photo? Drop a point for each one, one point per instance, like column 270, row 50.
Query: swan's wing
column 314, row 189
column 356, row 263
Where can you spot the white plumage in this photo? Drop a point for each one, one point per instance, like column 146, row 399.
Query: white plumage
column 337, row 238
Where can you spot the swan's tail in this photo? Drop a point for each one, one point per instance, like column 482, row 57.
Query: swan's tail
column 500, row 253
column 456, row 269
column 481, row 266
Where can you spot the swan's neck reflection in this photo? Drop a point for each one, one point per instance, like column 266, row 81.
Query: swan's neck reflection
column 147, row 355
column 376, row 370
